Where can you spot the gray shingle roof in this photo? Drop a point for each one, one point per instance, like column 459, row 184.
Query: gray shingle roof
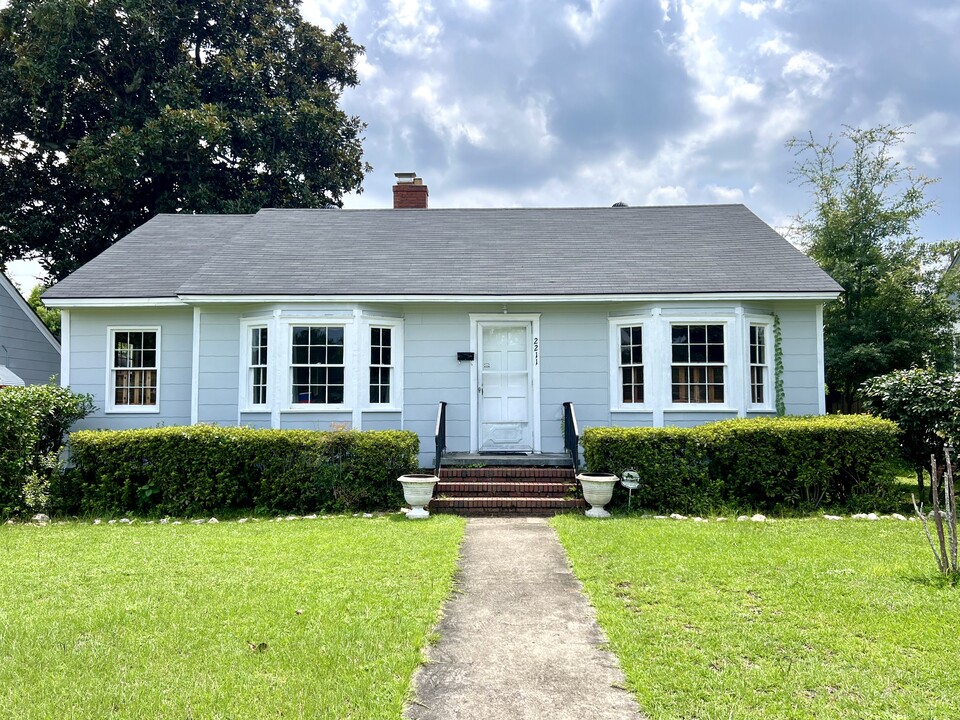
column 636, row 251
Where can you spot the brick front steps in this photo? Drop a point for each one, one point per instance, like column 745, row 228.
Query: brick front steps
column 506, row 491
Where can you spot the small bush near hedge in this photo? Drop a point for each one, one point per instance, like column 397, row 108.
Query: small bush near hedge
column 205, row 468
column 763, row 463
column 33, row 422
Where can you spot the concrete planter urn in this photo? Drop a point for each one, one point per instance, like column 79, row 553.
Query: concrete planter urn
column 417, row 492
column 597, row 491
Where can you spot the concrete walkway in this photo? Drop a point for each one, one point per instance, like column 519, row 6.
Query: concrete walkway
column 519, row 638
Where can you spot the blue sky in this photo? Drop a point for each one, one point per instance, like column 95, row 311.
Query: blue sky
column 585, row 103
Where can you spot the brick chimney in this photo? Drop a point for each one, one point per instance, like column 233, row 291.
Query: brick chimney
column 409, row 192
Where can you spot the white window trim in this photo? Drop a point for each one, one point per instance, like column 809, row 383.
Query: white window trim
column 769, row 390
column 396, row 355
column 616, row 390
column 246, row 348
column 109, row 406
column 731, row 359
column 284, row 401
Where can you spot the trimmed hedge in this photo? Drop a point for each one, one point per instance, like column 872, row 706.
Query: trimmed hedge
column 762, row 463
column 206, row 468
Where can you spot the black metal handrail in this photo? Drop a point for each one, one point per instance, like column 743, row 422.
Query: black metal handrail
column 571, row 434
column 441, row 435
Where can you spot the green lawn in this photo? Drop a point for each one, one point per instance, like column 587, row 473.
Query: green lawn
column 790, row 619
column 312, row 618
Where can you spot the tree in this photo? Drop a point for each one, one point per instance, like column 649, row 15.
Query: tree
column 895, row 309
column 49, row 316
column 114, row 110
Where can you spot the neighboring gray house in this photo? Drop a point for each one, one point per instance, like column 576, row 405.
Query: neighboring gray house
column 29, row 353
column 371, row 318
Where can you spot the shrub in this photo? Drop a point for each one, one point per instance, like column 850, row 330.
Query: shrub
column 759, row 463
column 33, row 422
column 925, row 404
column 205, row 468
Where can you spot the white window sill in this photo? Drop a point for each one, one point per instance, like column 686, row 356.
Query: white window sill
column 637, row 409
column 380, row 409
column 256, row 409
column 700, row 408
column 127, row 410
column 760, row 409
column 316, row 408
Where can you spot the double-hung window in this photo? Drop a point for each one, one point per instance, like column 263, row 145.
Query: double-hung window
column 631, row 364
column 698, row 363
column 317, row 366
column 759, row 370
column 133, row 370
column 381, row 365
column 257, row 374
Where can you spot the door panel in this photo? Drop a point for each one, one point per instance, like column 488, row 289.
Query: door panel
column 505, row 387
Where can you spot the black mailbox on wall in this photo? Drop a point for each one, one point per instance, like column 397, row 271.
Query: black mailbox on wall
column 461, row 356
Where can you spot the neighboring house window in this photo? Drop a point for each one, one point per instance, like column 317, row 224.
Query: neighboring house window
column 758, row 365
column 133, row 371
column 258, row 366
column 381, row 365
column 317, row 364
column 698, row 360
column 631, row 364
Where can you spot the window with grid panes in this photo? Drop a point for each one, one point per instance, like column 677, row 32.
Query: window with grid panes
column 317, row 367
column 258, row 366
column 631, row 364
column 758, row 364
column 381, row 364
column 697, row 363
column 134, row 368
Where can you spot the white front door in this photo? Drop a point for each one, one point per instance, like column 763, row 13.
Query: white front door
column 505, row 384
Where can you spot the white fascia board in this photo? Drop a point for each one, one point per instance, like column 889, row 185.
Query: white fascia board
column 28, row 311
column 115, row 302
column 225, row 299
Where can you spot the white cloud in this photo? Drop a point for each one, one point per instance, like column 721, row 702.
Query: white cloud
column 725, row 194
column 667, row 195
column 775, row 46
column 755, row 9
column 584, row 23
column 411, row 27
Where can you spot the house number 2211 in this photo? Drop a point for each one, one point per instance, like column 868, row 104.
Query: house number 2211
column 536, row 351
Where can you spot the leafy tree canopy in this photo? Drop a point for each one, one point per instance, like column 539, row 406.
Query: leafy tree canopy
column 49, row 316
column 895, row 310
column 114, row 110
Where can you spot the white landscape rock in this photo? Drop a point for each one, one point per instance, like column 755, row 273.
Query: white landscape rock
column 164, row 521
column 743, row 518
column 242, row 520
column 212, row 521
column 859, row 516
column 124, row 521
column 759, row 518
column 700, row 519
column 898, row 516
column 40, row 518
column 198, row 521
column 111, row 522
column 721, row 519
column 309, row 517
column 678, row 516
column 368, row 515
column 872, row 516
column 177, row 522
column 832, row 517
column 97, row 521
column 661, row 517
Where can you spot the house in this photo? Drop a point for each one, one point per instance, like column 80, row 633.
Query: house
column 371, row 318
column 29, row 353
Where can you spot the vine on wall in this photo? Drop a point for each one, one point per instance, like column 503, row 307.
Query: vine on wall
column 778, row 365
